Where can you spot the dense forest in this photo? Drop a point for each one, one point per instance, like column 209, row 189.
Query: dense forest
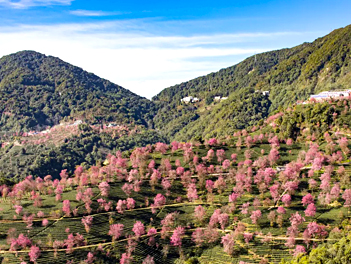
column 37, row 91
column 87, row 147
column 288, row 74
column 239, row 111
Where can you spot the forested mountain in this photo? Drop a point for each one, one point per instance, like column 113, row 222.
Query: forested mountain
column 289, row 75
column 38, row 91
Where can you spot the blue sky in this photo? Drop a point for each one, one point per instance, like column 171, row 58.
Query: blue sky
column 146, row 46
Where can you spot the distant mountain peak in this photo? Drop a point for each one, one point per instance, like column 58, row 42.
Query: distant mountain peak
column 41, row 90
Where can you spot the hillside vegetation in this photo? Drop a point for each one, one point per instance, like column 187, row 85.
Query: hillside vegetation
column 250, row 198
column 239, row 111
column 38, row 91
column 289, row 74
column 65, row 147
column 253, row 178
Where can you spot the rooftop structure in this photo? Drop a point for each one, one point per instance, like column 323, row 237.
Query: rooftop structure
column 330, row 94
column 190, row 99
column 187, row 99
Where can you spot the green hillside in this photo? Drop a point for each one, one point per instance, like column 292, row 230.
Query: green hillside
column 65, row 147
column 289, row 74
column 38, row 91
column 241, row 110
column 261, row 201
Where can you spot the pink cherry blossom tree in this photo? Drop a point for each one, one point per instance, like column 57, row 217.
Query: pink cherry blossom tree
column 223, row 220
column 126, row 258
column 151, row 234
column 116, row 231
column 192, row 192
column 299, row 250
column 248, row 237
column 220, row 153
column 273, row 156
column 130, row 203
column 176, row 238
column 199, row 213
column 159, row 201
column 148, row 260
column 347, row 197
column 220, row 184
column 66, row 208
column 307, row 199
column 87, row 222
column 90, row 258
column 311, row 210
column 255, row 215
column 228, row 242
column 167, row 224
column 34, row 253
column 121, row 206
column 343, row 143
column 166, row 185
column 45, row 222
column 198, row 237
column 18, row 209
column 286, row 199
column 138, row 229
column 104, row 188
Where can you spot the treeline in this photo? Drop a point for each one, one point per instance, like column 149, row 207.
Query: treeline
column 38, row 91
column 288, row 74
column 336, row 251
column 314, row 120
column 87, row 148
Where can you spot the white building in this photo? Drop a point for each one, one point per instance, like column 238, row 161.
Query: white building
column 190, row 99
column 265, row 92
column 78, row 122
column 224, row 98
column 330, row 94
column 217, row 98
column 187, row 99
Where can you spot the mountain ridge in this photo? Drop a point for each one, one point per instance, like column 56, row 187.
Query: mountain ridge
column 38, row 91
column 289, row 74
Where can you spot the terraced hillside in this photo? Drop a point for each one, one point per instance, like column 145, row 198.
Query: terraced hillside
column 249, row 198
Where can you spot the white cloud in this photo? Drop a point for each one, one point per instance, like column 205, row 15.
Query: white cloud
column 124, row 53
column 94, row 13
column 22, row 4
